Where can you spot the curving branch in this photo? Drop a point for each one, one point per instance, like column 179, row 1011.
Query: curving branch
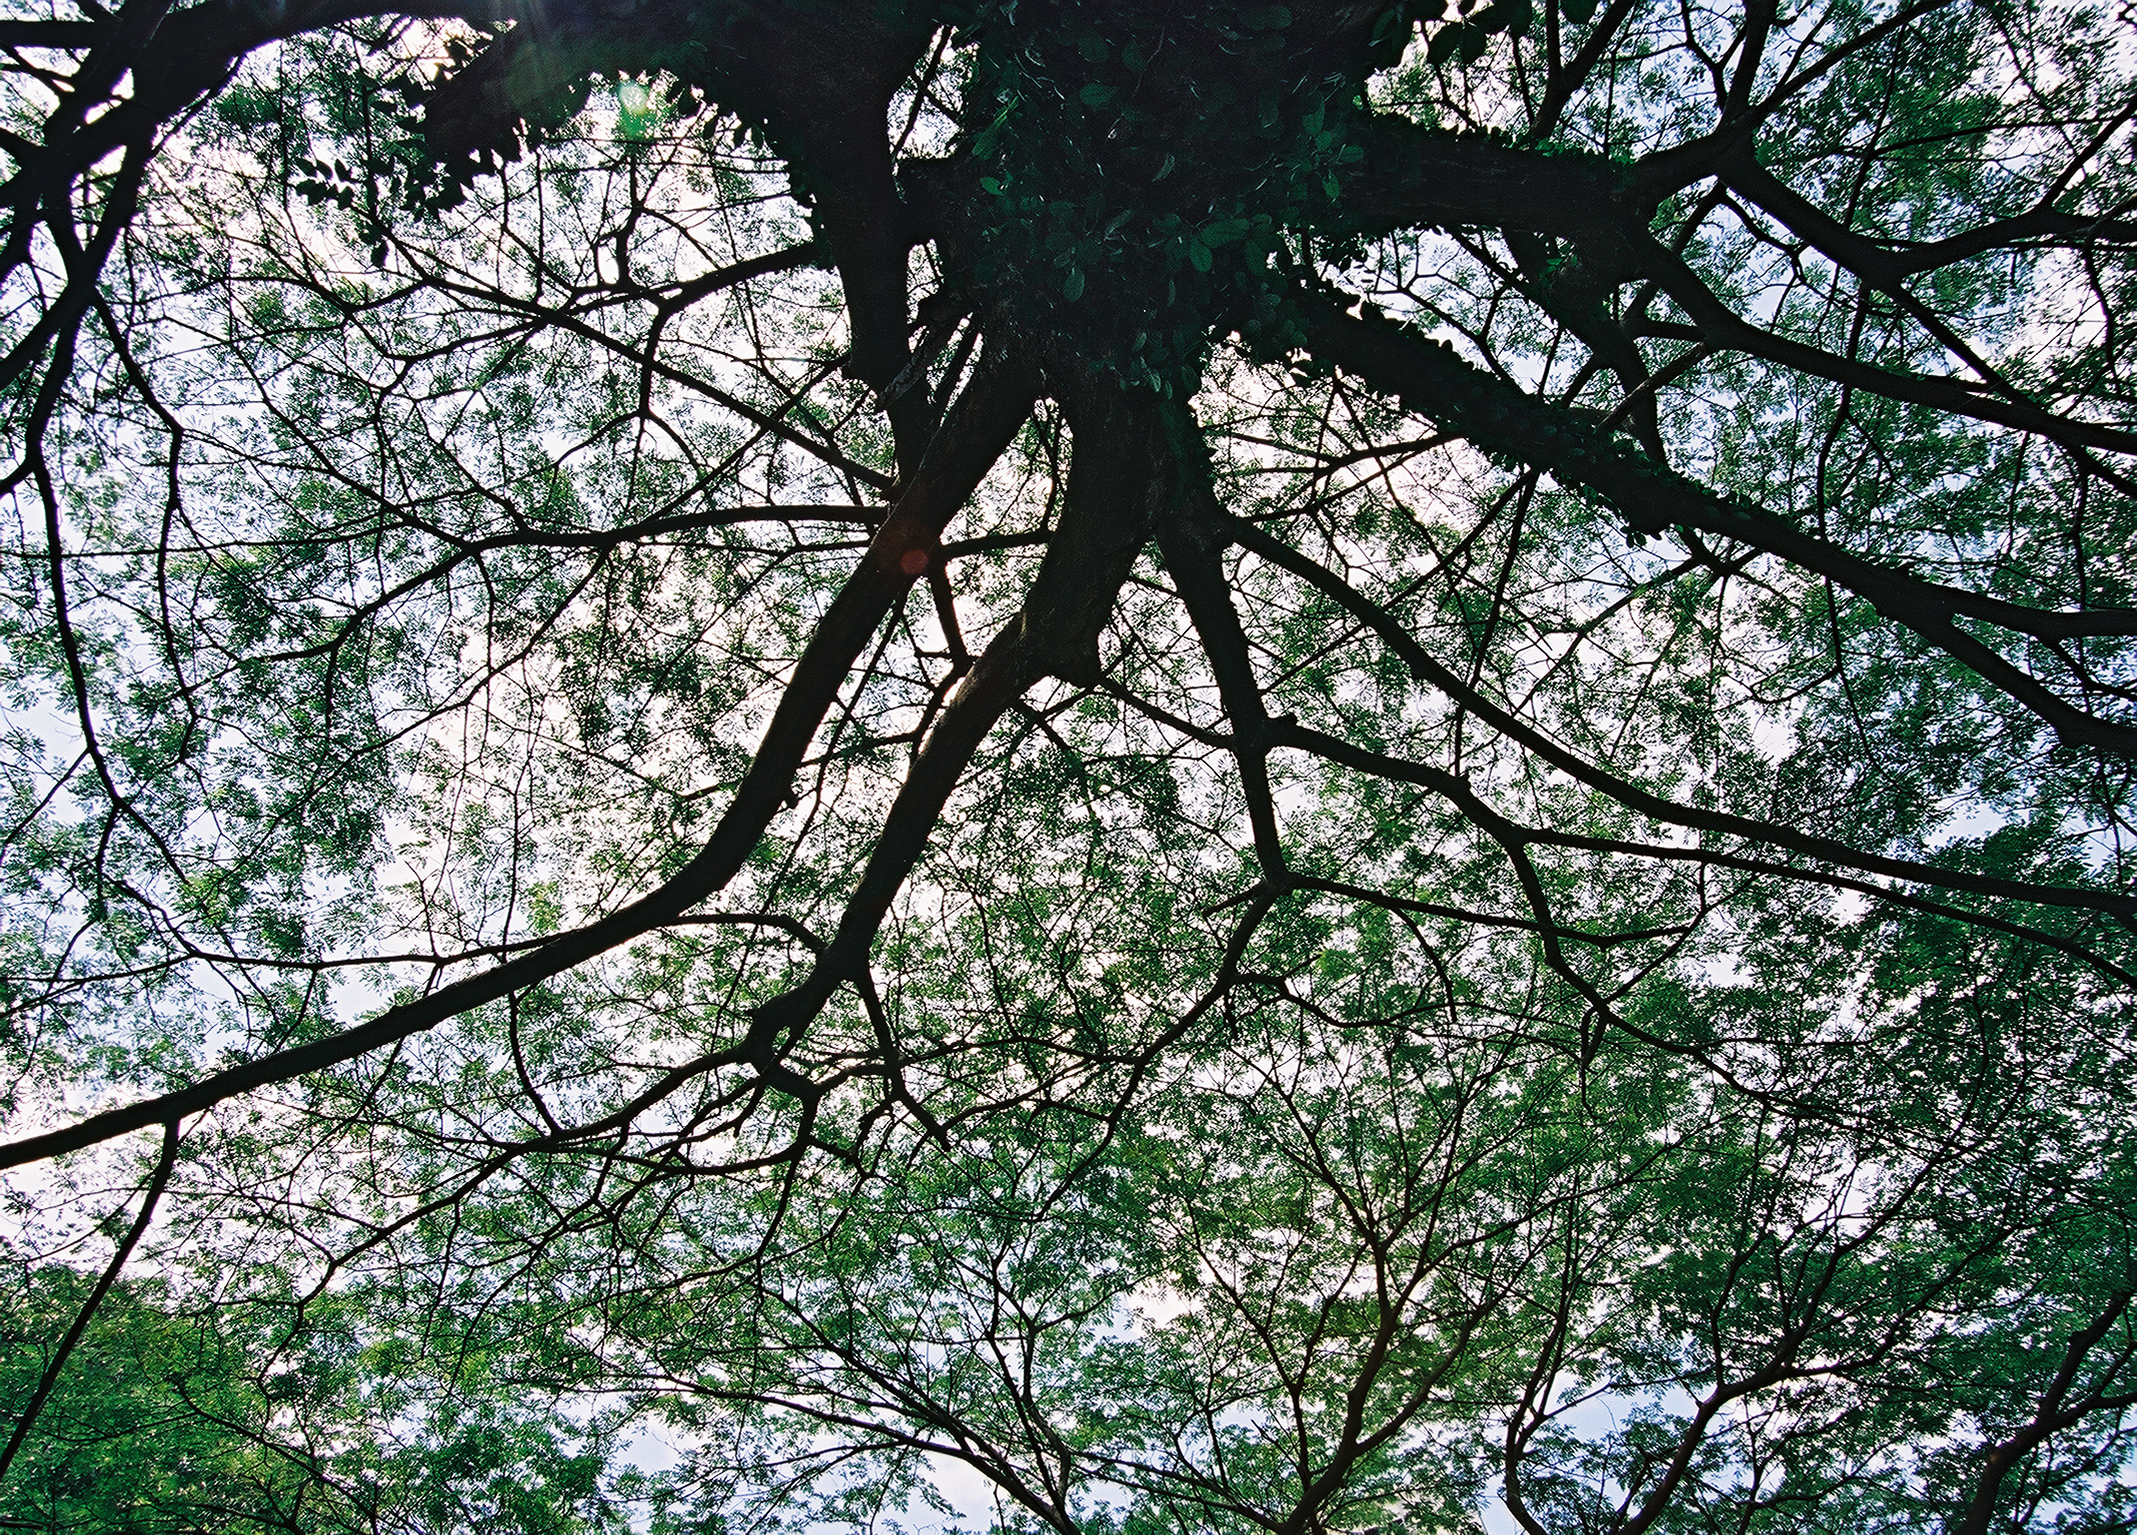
column 979, row 428
column 1430, row 379
column 1427, row 668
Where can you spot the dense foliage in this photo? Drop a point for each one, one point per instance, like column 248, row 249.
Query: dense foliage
column 1069, row 765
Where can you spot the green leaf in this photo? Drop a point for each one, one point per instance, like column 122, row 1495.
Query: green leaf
column 410, row 637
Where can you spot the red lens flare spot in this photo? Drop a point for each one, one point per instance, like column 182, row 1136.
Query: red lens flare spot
column 913, row 562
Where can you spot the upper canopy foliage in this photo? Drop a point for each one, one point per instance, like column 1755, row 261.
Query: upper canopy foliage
column 1111, row 766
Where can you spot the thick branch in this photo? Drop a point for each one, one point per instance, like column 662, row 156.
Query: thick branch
column 980, row 427
column 1191, row 541
column 821, row 76
column 1430, row 379
column 2051, row 1415
column 1429, row 669
column 1414, row 177
column 1112, row 497
column 1722, row 326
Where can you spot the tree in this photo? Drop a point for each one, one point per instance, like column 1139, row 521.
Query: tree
column 171, row 1420
column 1298, row 767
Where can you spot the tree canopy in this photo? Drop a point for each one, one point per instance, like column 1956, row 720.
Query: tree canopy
column 1080, row 765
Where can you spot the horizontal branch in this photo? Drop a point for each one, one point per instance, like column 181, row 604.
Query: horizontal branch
column 979, row 427
column 1427, row 668
column 1414, row 177
column 51, row 34
column 643, row 359
column 1429, row 378
column 1514, row 839
column 1722, row 326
